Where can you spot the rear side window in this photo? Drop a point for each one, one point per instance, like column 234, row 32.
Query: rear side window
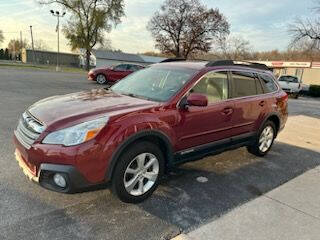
column 244, row 84
column 268, row 83
column 121, row 67
column 214, row 85
column 133, row 68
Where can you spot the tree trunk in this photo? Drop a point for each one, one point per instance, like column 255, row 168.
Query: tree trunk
column 88, row 53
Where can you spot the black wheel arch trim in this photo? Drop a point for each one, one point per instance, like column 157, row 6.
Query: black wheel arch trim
column 273, row 114
column 145, row 133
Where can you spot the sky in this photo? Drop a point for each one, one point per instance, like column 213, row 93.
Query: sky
column 263, row 23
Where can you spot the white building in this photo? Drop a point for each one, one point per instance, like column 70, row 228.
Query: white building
column 110, row 58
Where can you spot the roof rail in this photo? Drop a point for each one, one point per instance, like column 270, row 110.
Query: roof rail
column 237, row 63
column 173, row 60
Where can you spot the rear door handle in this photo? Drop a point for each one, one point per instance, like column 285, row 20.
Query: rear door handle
column 262, row 103
column 227, row 111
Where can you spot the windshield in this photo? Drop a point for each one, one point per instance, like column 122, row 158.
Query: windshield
column 288, row 79
column 154, row 83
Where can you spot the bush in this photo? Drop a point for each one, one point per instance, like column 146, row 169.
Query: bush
column 314, row 90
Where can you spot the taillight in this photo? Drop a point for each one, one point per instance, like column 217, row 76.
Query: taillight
column 282, row 99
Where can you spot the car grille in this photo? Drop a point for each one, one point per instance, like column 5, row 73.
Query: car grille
column 28, row 130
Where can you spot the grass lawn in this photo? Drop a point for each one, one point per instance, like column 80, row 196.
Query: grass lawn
column 41, row 67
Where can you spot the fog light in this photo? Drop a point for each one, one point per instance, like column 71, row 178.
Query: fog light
column 59, row 180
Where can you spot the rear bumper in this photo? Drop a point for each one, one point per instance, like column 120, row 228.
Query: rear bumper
column 291, row 91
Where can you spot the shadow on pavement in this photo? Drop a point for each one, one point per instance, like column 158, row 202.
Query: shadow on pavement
column 234, row 178
column 180, row 204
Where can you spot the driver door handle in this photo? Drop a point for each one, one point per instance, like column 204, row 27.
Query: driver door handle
column 262, row 103
column 227, row 111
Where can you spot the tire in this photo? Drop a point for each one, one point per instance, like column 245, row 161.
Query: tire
column 296, row 96
column 101, row 79
column 128, row 171
column 256, row 148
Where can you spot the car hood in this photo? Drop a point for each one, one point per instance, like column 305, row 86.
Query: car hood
column 100, row 69
column 82, row 106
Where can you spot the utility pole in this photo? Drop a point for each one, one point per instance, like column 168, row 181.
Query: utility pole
column 20, row 58
column 34, row 54
column 20, row 38
column 58, row 15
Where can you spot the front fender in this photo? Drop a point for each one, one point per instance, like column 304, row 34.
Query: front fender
column 140, row 126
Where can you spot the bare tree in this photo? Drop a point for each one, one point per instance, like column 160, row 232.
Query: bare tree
column 233, row 47
column 15, row 46
column 41, row 45
column 307, row 30
column 89, row 21
column 184, row 27
column 1, row 36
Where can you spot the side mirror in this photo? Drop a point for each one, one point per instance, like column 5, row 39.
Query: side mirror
column 196, row 99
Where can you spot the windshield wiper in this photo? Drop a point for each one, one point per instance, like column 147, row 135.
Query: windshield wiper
column 138, row 96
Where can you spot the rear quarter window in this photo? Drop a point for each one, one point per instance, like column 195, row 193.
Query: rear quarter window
column 244, row 84
column 268, row 83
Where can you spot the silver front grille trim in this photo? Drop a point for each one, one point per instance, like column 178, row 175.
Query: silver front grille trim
column 25, row 131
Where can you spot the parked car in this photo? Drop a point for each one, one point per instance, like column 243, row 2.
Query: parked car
column 156, row 118
column 112, row 74
column 291, row 85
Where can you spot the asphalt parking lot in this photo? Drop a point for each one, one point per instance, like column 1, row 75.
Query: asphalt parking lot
column 181, row 203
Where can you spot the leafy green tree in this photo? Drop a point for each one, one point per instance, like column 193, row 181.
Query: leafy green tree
column 184, row 27
column 88, row 22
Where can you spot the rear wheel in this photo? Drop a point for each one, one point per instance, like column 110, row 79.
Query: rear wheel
column 264, row 140
column 137, row 173
column 101, row 79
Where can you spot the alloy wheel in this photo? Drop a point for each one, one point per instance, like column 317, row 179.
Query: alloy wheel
column 141, row 174
column 101, row 79
column 266, row 139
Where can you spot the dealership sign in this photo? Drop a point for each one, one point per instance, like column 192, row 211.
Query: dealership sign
column 282, row 64
column 315, row 64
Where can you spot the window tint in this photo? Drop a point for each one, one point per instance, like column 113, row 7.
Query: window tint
column 288, row 79
column 214, row 85
column 121, row 67
column 154, row 83
column 259, row 87
column 133, row 68
column 244, row 84
column 268, row 83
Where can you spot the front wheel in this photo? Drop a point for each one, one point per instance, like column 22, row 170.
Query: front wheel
column 137, row 173
column 101, row 79
column 264, row 140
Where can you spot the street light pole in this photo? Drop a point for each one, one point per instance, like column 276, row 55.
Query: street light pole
column 58, row 15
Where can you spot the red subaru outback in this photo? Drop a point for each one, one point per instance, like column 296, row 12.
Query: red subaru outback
column 112, row 74
column 156, row 118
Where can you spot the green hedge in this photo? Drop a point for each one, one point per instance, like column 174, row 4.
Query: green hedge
column 314, row 90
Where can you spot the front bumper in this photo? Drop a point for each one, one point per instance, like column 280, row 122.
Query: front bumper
column 31, row 175
column 91, row 77
column 82, row 166
column 44, row 176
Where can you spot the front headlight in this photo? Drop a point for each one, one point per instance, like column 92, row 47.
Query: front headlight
column 76, row 134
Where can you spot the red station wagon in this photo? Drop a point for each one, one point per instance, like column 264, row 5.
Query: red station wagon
column 113, row 74
column 156, row 118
